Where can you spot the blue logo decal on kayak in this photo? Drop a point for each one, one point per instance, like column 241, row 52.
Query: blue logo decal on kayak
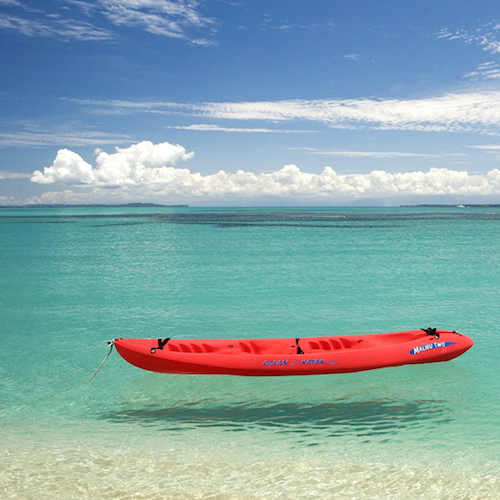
column 428, row 347
column 275, row 362
column 312, row 361
column 286, row 362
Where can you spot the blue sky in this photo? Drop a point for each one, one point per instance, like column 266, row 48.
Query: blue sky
column 229, row 102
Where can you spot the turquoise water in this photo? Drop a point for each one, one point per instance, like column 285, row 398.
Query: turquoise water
column 71, row 279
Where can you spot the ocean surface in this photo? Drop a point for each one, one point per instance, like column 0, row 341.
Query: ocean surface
column 72, row 279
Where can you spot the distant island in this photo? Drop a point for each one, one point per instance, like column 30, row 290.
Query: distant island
column 96, row 205
column 453, row 205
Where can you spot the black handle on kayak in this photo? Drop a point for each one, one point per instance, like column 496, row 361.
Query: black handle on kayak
column 299, row 350
column 431, row 331
column 161, row 345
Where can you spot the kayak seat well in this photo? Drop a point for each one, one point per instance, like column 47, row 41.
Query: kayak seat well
column 191, row 347
column 270, row 348
column 331, row 344
column 218, row 348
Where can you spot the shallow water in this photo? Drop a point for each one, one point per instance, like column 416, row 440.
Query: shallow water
column 71, row 279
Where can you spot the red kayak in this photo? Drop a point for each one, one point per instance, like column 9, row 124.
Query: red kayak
column 305, row 356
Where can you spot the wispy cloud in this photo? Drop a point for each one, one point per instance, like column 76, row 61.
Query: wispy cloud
column 13, row 175
column 148, row 169
column 55, row 27
column 464, row 112
column 121, row 107
column 351, row 57
column 216, row 128
column 486, row 36
column 169, row 18
column 58, row 138
column 379, row 154
column 287, row 25
column 487, row 147
column 10, row 3
column 486, row 71
column 490, row 151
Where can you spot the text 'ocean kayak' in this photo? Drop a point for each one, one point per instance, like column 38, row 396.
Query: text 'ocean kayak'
column 305, row 356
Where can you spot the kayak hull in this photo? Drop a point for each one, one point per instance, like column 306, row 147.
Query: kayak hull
column 281, row 357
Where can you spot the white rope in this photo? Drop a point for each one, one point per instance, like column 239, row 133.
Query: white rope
column 111, row 345
column 48, row 396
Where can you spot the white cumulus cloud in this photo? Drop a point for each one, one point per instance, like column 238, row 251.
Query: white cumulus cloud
column 148, row 170
column 142, row 163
